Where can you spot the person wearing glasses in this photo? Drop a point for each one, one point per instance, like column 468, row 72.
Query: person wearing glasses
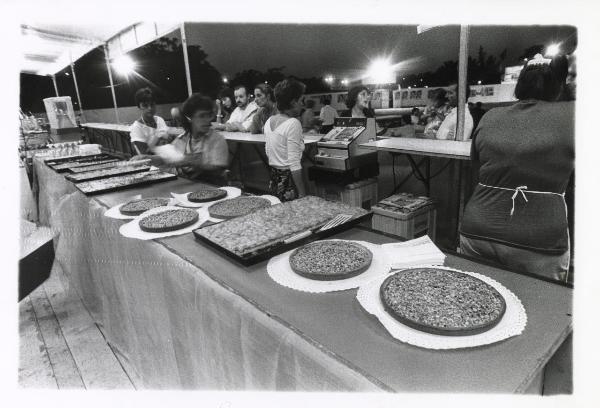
column 149, row 129
column 200, row 152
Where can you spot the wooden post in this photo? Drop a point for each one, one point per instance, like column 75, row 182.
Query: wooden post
column 112, row 86
column 463, row 58
column 186, row 58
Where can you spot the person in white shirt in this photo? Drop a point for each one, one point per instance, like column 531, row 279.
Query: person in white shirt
column 241, row 118
column 327, row 115
column 284, row 143
column 447, row 129
column 146, row 131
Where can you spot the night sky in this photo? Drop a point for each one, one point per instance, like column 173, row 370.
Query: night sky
column 344, row 50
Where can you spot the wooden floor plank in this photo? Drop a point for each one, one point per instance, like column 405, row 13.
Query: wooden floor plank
column 65, row 370
column 98, row 366
column 35, row 370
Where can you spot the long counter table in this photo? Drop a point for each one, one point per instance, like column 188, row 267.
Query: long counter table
column 450, row 149
column 186, row 316
column 116, row 136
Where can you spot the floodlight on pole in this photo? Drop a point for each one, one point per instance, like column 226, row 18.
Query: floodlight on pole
column 381, row 71
column 329, row 79
column 225, row 80
column 552, row 50
column 124, row 65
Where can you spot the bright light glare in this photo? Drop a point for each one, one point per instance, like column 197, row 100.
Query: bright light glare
column 225, row 80
column 124, row 65
column 381, row 71
column 345, row 81
column 329, row 79
column 552, row 50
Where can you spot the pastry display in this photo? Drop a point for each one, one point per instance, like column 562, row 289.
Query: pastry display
column 169, row 220
column 330, row 260
column 271, row 225
column 236, row 207
column 82, row 164
column 102, row 173
column 124, row 181
column 207, row 194
column 140, row 205
column 443, row 302
column 102, row 164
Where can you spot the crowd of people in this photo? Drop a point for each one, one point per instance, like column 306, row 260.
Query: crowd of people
column 516, row 215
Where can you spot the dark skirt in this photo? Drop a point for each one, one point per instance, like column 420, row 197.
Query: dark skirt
column 282, row 185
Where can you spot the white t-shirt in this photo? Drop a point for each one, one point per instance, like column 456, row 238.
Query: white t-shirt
column 244, row 116
column 448, row 126
column 284, row 145
column 328, row 114
column 140, row 132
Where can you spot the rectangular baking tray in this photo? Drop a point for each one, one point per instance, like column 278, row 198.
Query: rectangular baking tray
column 167, row 177
column 92, row 159
column 81, row 177
column 58, row 160
column 278, row 247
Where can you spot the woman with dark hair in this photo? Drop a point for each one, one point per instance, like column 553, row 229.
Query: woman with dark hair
column 146, row 131
column 225, row 105
column 517, row 214
column 284, row 144
column 435, row 113
column 358, row 103
column 265, row 99
column 200, row 152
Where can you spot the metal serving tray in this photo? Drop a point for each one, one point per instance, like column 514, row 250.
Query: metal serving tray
column 278, row 247
column 157, row 178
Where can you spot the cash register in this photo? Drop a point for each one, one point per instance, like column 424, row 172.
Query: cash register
column 340, row 150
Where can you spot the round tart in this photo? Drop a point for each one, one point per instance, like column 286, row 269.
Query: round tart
column 136, row 207
column 169, row 220
column 330, row 260
column 237, row 207
column 443, row 302
column 209, row 194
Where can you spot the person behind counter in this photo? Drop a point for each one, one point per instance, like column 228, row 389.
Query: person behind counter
column 284, row 143
column 517, row 214
column 307, row 118
column 146, row 131
column 327, row 115
column 358, row 103
column 265, row 99
column 241, row 117
column 200, row 152
column 225, row 105
column 447, row 128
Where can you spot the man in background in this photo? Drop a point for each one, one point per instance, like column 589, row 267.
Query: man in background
column 327, row 115
column 241, row 118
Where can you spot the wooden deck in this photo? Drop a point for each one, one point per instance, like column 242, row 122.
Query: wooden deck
column 60, row 345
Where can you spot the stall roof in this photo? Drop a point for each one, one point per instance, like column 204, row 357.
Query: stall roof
column 49, row 48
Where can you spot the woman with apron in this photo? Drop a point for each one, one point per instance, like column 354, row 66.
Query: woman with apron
column 517, row 215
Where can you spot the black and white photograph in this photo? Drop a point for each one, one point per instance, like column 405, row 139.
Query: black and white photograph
column 326, row 201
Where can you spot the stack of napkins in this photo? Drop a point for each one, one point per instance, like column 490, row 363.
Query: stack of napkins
column 419, row 251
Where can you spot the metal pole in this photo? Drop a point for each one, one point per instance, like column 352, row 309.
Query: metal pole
column 463, row 53
column 55, row 86
column 185, row 58
column 112, row 86
column 77, row 90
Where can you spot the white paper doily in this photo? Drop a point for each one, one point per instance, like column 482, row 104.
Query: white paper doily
column 114, row 212
column 182, row 201
column 280, row 271
column 512, row 324
column 203, row 211
column 132, row 228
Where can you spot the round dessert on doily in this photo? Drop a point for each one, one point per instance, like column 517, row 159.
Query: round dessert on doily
column 443, row 302
column 140, row 205
column 207, row 194
column 330, row 260
column 170, row 220
column 237, row 207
